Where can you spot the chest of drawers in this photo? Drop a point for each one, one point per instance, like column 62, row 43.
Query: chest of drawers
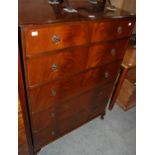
column 69, row 63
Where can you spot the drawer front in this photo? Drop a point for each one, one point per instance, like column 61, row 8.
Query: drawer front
column 66, row 109
column 106, row 52
column 112, row 30
column 39, row 40
column 56, row 66
column 64, row 126
column 46, row 96
column 102, row 74
column 52, row 67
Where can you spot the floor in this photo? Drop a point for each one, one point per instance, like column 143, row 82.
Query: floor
column 115, row 135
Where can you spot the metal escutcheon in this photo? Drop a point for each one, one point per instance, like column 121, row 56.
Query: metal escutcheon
column 106, row 74
column 54, row 67
column 113, row 51
column 52, row 133
column 119, row 29
column 56, row 39
column 52, row 114
column 53, row 93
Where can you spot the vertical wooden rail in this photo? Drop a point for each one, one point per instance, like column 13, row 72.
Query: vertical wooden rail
column 22, row 96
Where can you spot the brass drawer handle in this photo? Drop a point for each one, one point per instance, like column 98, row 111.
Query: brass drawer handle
column 119, row 29
column 52, row 133
column 106, row 74
column 56, row 39
column 54, row 67
column 53, row 93
column 113, row 51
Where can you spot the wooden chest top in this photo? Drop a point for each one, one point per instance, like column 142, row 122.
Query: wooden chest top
column 36, row 12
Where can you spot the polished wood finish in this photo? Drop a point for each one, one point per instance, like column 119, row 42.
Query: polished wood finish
column 72, row 34
column 70, row 62
column 41, row 98
column 129, row 63
column 112, row 30
column 67, row 108
column 38, row 12
column 23, row 148
column 66, row 64
column 25, row 145
column 69, row 124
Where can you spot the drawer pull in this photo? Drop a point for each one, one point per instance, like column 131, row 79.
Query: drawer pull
column 101, row 93
column 52, row 114
column 106, row 74
column 113, row 51
column 56, row 39
column 53, row 93
column 119, row 29
column 54, row 67
column 129, row 24
column 52, row 133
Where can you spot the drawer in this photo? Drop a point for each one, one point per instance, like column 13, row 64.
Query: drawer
column 112, row 30
column 44, row 137
column 63, row 110
column 43, row 97
column 43, row 39
column 48, row 95
column 106, row 52
column 64, row 126
column 104, row 74
column 56, row 66
column 82, row 117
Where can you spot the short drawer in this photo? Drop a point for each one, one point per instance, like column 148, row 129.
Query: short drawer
column 104, row 74
column 106, row 52
column 45, row 137
column 55, row 66
column 112, row 30
column 63, row 110
column 48, row 95
column 44, row 39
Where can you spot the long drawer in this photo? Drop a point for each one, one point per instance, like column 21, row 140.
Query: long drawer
column 67, row 62
column 65, row 126
column 48, row 95
column 55, row 36
column 66, row 109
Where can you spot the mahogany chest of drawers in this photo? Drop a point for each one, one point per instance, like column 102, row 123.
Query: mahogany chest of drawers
column 69, row 62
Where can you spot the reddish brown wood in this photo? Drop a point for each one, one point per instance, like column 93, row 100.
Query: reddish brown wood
column 70, row 124
column 66, row 109
column 35, row 12
column 24, row 133
column 23, row 148
column 117, row 88
column 40, row 69
column 106, row 52
column 49, row 94
column 82, row 50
